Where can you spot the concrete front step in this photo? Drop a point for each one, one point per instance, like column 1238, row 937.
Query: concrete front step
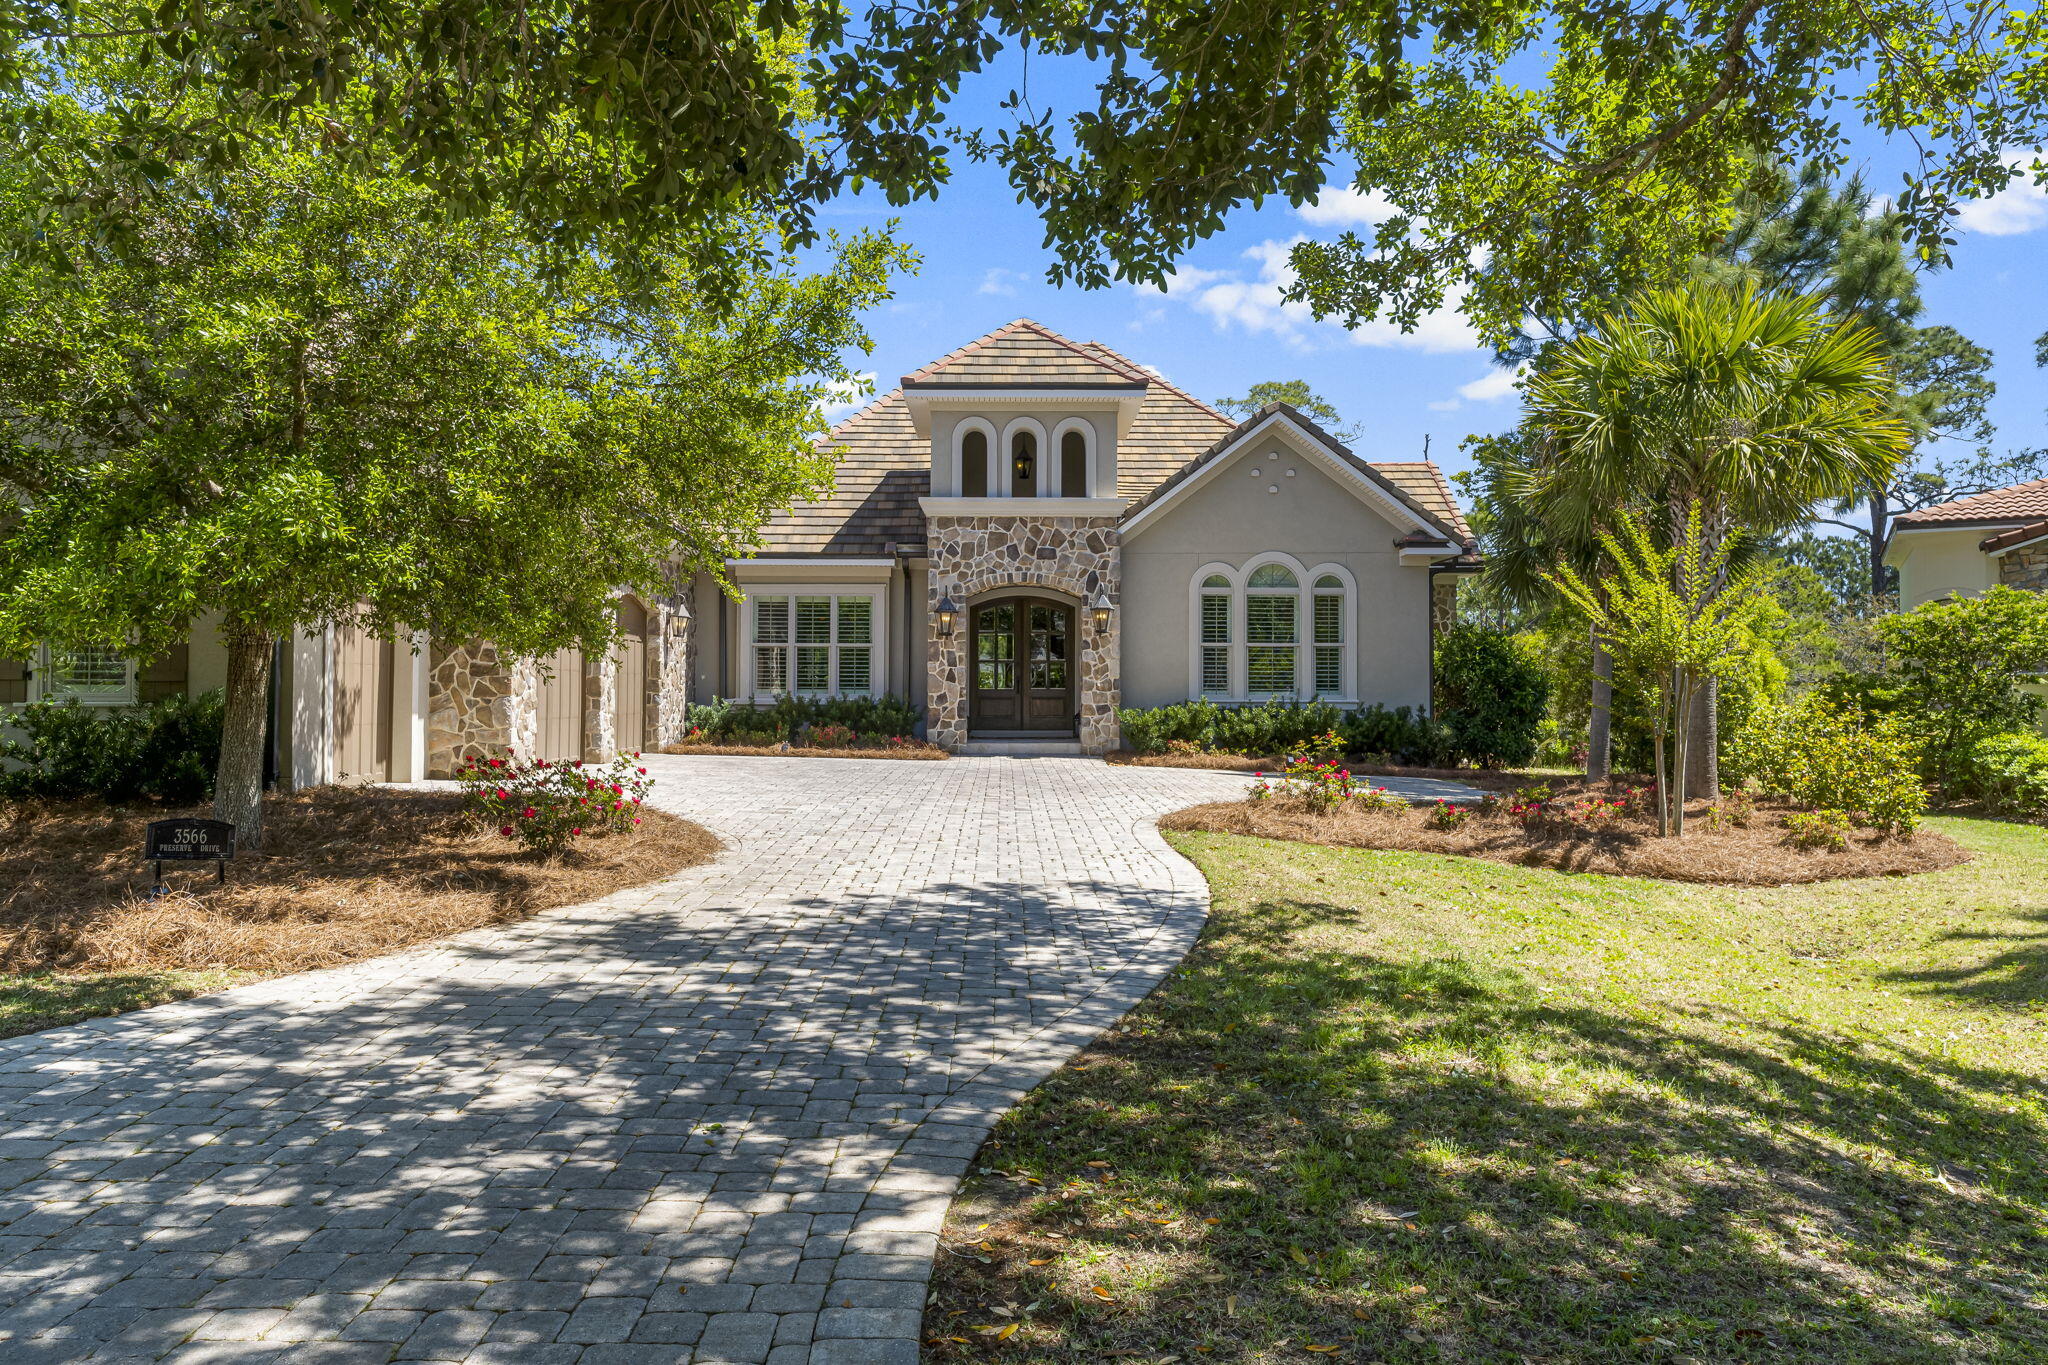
column 1020, row 748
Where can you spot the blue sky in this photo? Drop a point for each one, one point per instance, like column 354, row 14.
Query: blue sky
column 1222, row 327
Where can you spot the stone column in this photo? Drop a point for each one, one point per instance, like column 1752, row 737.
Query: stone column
column 478, row 705
column 2026, row 567
column 671, row 627
column 600, row 707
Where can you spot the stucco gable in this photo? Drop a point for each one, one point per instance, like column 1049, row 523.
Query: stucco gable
column 1416, row 525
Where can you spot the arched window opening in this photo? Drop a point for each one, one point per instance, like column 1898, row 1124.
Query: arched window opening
column 1216, row 641
column 1073, row 465
column 1329, row 636
column 1023, row 465
column 974, row 465
column 1272, row 631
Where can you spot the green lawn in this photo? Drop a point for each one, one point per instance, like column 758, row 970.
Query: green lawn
column 1398, row 1107
column 29, row 1003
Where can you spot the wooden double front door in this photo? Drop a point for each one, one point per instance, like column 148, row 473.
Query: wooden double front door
column 1024, row 665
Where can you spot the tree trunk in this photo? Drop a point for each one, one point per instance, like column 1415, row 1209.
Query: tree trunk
column 1663, row 791
column 1600, row 719
column 238, row 783
column 1681, row 741
column 1879, row 505
column 1703, row 739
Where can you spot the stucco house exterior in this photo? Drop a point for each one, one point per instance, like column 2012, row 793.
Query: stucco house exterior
column 1972, row 544
column 1030, row 532
column 1026, row 535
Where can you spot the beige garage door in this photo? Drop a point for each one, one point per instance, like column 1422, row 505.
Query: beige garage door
column 632, row 686
column 363, row 675
column 561, row 706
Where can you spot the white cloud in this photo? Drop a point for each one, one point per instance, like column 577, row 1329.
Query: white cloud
column 1000, row 281
column 1492, row 386
column 2020, row 207
column 1257, row 303
column 846, row 396
column 1342, row 206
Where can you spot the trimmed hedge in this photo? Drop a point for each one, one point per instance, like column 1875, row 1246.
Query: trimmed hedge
column 2008, row 772
column 791, row 719
column 167, row 751
column 1491, row 694
column 1271, row 728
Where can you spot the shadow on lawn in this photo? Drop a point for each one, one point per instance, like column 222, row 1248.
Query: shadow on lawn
column 2017, row 976
column 1423, row 1161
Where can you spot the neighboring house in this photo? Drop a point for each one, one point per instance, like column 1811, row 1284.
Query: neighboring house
column 1957, row 548
column 1027, row 535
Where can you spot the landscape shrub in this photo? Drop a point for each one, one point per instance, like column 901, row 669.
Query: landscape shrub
column 1817, row 829
column 1491, row 695
column 1446, row 815
column 545, row 805
column 1323, row 785
column 1832, row 757
column 1956, row 672
column 166, row 751
column 2008, row 772
column 1273, row 727
column 817, row 722
column 1400, row 735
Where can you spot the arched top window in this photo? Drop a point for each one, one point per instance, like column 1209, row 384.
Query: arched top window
column 1024, row 465
column 974, row 465
column 1073, row 465
column 1258, row 634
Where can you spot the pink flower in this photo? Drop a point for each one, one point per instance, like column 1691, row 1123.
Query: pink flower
column 641, row 771
column 577, row 830
column 497, row 763
column 636, row 819
column 505, row 830
column 504, row 795
column 526, row 814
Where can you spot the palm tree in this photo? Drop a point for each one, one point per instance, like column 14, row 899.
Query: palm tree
column 1752, row 406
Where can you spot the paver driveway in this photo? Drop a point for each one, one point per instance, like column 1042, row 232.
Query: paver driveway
column 718, row 1118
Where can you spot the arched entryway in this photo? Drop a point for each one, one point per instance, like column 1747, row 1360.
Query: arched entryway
column 1024, row 666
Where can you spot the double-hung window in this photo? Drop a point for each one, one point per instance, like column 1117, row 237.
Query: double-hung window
column 814, row 644
column 91, row 675
column 1272, row 631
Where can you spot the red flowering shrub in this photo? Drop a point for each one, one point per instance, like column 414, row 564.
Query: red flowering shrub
column 545, row 804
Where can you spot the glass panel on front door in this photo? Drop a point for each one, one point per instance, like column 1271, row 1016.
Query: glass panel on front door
column 995, row 637
column 1048, row 646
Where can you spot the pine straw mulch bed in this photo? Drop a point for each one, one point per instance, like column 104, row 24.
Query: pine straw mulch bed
column 914, row 751
column 346, row 873
column 1728, row 856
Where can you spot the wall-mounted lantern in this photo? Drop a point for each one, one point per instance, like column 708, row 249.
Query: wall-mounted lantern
column 948, row 613
column 1100, row 609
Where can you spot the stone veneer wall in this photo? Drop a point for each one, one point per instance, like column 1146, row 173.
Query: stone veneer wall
column 974, row 556
column 2026, row 567
column 600, row 708
column 478, row 706
column 670, row 626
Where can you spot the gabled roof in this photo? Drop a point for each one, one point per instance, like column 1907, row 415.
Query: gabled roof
column 1024, row 353
column 2018, row 502
column 884, row 465
column 1414, row 476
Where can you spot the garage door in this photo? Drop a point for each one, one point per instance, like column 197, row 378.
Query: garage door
column 632, row 689
column 561, row 706
column 363, row 675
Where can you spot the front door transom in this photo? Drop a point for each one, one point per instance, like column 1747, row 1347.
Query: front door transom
column 1023, row 652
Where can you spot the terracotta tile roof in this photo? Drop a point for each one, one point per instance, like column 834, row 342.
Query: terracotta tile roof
column 885, row 466
column 2020, row 502
column 1024, row 352
column 2018, row 535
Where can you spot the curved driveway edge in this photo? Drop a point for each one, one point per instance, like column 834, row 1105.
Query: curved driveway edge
column 717, row 1118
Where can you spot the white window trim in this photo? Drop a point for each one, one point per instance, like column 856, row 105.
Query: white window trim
column 1090, row 473
column 878, row 633
column 995, row 451
column 1239, row 578
column 40, row 687
column 1010, row 430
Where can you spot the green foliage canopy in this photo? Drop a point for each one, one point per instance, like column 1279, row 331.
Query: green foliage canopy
column 1532, row 154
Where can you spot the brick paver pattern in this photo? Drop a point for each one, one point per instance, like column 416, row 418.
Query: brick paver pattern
column 714, row 1119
